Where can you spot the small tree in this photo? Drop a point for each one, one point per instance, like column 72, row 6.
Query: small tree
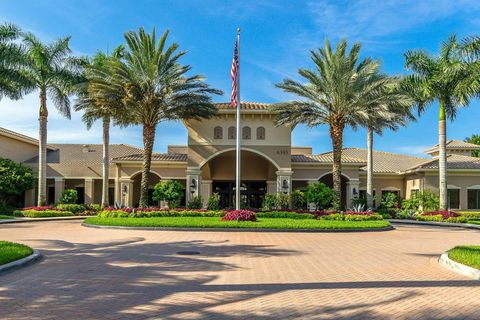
column 170, row 191
column 319, row 194
column 69, row 196
column 214, row 202
column 15, row 179
column 297, row 200
column 283, row 202
column 269, row 202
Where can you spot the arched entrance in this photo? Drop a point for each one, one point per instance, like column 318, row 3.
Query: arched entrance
column 328, row 180
column 256, row 171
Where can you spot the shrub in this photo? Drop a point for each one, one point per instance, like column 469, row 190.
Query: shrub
column 352, row 217
column 284, row 214
column 283, row 201
column 240, row 215
column 43, row 213
column 69, row 196
column 195, row 203
column 426, row 200
column 269, row 202
column 389, row 201
column 157, row 212
column 457, row 220
column 444, row 213
column 169, row 190
column 5, row 207
column 15, row 178
column 319, row 194
column 214, row 202
column 74, row 208
column 297, row 200
column 470, row 215
column 437, row 218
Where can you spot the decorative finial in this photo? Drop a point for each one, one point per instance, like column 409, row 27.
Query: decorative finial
column 238, row 30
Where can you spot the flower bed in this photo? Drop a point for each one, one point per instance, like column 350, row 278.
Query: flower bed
column 42, row 213
column 240, row 215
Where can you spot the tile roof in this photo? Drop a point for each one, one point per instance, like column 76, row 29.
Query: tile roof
column 454, row 161
column 455, row 144
column 244, row 105
column 182, row 157
column 323, row 158
column 383, row 162
column 22, row 137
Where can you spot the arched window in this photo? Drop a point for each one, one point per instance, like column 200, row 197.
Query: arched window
column 232, row 133
column 260, row 133
column 246, row 133
column 218, row 133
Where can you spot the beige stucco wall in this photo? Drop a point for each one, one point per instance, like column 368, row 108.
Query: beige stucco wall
column 166, row 171
column 309, row 172
column 384, row 183
column 16, row 150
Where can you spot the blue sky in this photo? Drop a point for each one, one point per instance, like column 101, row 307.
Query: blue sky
column 276, row 39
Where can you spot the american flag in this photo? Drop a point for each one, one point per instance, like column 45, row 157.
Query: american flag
column 234, row 76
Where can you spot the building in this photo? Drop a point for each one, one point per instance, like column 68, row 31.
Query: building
column 270, row 164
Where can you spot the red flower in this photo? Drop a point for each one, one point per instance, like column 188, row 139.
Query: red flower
column 240, row 215
column 446, row 214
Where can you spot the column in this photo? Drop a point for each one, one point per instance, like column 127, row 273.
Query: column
column 193, row 185
column 206, row 191
column 29, row 198
column 126, row 191
column 59, row 187
column 352, row 191
column 89, row 190
column 272, row 187
column 284, row 181
column 117, row 192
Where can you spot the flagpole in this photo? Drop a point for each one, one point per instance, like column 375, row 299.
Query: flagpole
column 237, row 173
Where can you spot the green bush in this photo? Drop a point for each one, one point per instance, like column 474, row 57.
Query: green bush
column 470, row 215
column 457, row 220
column 297, row 200
column 283, row 201
column 389, row 201
column 69, row 196
column 42, row 214
column 269, row 202
column 195, row 203
column 319, row 194
column 214, row 202
column 424, row 201
column 352, row 217
column 15, row 178
column 74, row 208
column 5, row 208
column 160, row 213
column 284, row 214
column 169, row 190
column 435, row 218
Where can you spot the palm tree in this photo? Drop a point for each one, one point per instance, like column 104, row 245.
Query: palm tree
column 100, row 98
column 13, row 82
column 475, row 139
column 443, row 78
column 157, row 88
column 336, row 93
column 54, row 72
column 389, row 110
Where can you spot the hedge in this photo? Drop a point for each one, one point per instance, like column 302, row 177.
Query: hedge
column 42, row 214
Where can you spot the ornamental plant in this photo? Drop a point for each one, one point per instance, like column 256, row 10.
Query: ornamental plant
column 69, row 196
column 444, row 213
column 269, row 202
column 195, row 203
column 170, row 190
column 297, row 200
column 15, row 179
column 240, row 215
column 214, row 202
column 319, row 194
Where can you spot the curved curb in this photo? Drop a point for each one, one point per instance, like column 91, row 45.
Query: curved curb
column 23, row 220
column 88, row 225
column 459, row 268
column 21, row 262
column 436, row 224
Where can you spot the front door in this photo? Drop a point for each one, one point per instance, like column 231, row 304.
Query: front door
column 252, row 193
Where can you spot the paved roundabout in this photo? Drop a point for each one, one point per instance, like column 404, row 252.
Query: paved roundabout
column 89, row 273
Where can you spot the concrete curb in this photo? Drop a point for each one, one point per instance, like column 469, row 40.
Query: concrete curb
column 437, row 224
column 21, row 220
column 459, row 268
column 88, row 225
column 21, row 262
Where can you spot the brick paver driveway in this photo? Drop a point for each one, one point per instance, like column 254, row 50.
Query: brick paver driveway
column 115, row 274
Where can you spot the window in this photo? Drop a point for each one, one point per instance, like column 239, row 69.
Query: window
column 217, row 133
column 246, row 133
column 260, row 133
column 473, row 198
column 232, row 134
column 454, row 198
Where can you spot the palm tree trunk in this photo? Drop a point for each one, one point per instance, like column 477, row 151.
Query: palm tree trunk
column 148, row 139
column 369, row 167
column 42, row 149
column 442, row 157
column 336, row 134
column 106, row 161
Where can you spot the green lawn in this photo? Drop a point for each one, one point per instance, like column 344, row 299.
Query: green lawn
column 10, row 251
column 467, row 255
column 4, row 216
column 215, row 222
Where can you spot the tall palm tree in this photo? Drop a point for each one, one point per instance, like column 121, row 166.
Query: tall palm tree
column 157, row 88
column 13, row 82
column 336, row 93
column 54, row 72
column 444, row 78
column 389, row 110
column 100, row 99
